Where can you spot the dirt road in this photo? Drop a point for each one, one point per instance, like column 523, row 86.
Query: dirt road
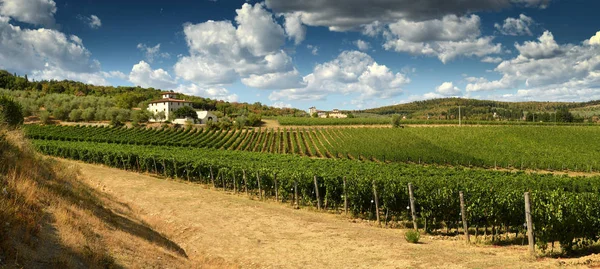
column 248, row 233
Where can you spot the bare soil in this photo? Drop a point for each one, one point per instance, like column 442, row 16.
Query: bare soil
column 210, row 225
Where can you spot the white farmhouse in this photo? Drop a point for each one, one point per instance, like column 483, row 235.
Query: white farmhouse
column 327, row 114
column 169, row 104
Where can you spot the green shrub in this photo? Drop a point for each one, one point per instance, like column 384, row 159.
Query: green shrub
column 11, row 112
column 396, row 121
column 44, row 117
column 412, row 236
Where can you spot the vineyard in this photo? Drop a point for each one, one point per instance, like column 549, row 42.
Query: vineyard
column 517, row 147
column 382, row 120
column 565, row 209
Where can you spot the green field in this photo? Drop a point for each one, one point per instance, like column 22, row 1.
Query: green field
column 520, row 147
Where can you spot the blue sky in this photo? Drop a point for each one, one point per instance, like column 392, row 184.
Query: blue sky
column 347, row 54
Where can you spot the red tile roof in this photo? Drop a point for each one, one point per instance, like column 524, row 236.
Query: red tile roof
column 169, row 100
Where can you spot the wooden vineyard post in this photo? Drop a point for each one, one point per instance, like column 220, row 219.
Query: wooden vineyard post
column 276, row 188
column 212, row 178
column 297, row 204
column 345, row 198
column 234, row 183
column 529, row 224
column 317, row 193
column 259, row 189
column 376, row 202
column 412, row 206
column 463, row 213
column 245, row 182
column 223, row 180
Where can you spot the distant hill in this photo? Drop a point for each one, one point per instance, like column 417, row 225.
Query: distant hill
column 448, row 108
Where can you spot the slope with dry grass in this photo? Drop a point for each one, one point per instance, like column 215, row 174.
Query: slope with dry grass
column 49, row 218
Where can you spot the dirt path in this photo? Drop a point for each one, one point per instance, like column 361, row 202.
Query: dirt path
column 249, row 233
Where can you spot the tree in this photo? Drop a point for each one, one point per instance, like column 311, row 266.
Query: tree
column 10, row 112
column 563, row 115
column 44, row 117
column 160, row 116
column 139, row 116
column 185, row 112
column 253, row 120
column 396, row 119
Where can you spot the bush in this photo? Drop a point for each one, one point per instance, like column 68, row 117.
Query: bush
column 10, row 112
column 44, row 117
column 396, row 121
column 412, row 236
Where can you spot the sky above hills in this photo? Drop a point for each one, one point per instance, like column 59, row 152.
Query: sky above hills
column 346, row 54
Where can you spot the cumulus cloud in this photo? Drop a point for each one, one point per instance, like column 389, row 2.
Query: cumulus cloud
column 281, row 105
column 36, row 12
column 152, row 53
column 546, row 47
column 595, row 40
column 24, row 50
column 343, row 15
column 279, row 80
column 352, row 72
column 446, row 38
column 257, row 30
column 489, row 59
column 143, row 75
column 447, row 89
column 221, row 53
column 515, row 26
column 294, row 28
column 54, row 73
column 314, row 50
column 362, row 45
column 92, row 21
column 539, row 72
column 217, row 93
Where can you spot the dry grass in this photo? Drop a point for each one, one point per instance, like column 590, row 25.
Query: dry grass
column 222, row 229
column 49, row 218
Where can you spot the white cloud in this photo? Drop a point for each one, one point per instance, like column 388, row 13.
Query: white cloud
column 218, row 93
column 281, row 105
column 143, row 75
column 220, row 53
column 280, row 80
column 55, row 73
column 352, row 72
column 545, row 48
column 115, row 74
column 362, row 45
column 314, row 50
column 595, row 40
column 294, row 28
column 449, row 28
column 546, row 70
column 37, row 12
column 447, row 39
column 152, row 53
column 257, row 30
column 447, row 89
column 489, row 59
column 343, row 15
column 25, row 50
column 92, row 21
column 516, row 26
column 95, row 22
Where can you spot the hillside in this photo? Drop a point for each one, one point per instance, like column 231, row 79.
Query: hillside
column 52, row 219
column 93, row 103
column 447, row 108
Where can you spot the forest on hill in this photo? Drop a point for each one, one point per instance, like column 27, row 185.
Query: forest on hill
column 75, row 101
column 473, row 109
